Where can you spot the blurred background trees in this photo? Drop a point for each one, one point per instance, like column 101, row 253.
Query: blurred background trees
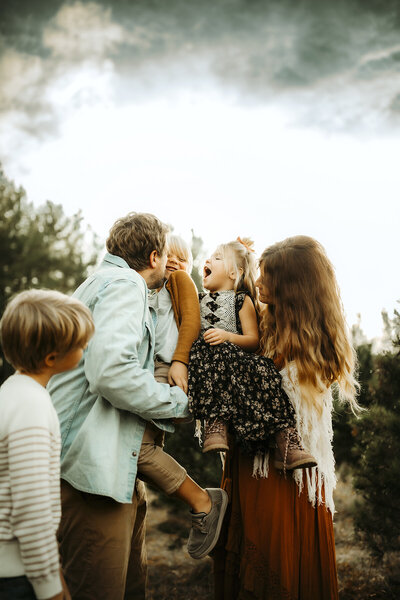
column 377, row 453
column 369, row 446
column 40, row 247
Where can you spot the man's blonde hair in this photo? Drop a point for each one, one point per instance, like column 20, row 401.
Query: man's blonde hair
column 178, row 246
column 36, row 323
column 134, row 238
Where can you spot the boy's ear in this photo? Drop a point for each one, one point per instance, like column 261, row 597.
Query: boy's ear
column 50, row 359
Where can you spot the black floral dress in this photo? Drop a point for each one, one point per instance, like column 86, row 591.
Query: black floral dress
column 229, row 384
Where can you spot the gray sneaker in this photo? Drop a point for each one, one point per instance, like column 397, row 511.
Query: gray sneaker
column 206, row 528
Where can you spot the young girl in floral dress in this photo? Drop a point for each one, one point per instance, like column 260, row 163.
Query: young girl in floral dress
column 231, row 387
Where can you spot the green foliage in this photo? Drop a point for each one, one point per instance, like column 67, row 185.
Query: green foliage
column 39, row 248
column 377, row 478
column 377, row 453
column 198, row 258
column 345, row 423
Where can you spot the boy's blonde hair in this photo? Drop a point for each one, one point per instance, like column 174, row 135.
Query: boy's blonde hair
column 305, row 321
column 36, row 323
column 178, row 246
column 239, row 258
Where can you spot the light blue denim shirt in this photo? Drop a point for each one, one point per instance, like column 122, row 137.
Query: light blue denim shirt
column 104, row 403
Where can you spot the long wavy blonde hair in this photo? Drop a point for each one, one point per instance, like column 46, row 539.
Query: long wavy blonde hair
column 305, row 321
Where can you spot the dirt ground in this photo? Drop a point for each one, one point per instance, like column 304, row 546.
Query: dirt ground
column 173, row 575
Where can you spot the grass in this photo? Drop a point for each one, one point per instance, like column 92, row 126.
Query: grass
column 361, row 576
column 174, row 576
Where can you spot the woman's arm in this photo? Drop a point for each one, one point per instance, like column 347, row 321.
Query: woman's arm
column 249, row 340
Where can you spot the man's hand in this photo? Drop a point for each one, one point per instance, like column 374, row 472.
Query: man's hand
column 216, row 336
column 178, row 375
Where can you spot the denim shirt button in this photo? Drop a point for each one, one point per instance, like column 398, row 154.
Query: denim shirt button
column 133, row 453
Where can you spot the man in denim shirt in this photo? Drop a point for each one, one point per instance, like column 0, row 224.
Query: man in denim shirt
column 103, row 407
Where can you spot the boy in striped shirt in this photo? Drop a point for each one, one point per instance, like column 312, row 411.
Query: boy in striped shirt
column 42, row 333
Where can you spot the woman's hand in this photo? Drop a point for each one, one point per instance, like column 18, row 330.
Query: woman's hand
column 178, row 375
column 216, row 336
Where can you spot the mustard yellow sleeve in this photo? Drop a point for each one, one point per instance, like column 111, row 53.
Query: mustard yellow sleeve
column 185, row 302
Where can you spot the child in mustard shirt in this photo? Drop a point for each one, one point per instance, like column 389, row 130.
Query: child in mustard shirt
column 178, row 325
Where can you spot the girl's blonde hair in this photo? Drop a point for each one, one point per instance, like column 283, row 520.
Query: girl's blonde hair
column 305, row 321
column 239, row 258
column 178, row 246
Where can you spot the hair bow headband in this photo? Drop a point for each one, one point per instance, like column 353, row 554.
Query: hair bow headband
column 245, row 245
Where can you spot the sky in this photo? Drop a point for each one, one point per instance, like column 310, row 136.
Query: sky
column 250, row 118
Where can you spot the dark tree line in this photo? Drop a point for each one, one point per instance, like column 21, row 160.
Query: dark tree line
column 40, row 247
column 370, row 445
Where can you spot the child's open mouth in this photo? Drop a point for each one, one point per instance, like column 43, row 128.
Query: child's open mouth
column 207, row 272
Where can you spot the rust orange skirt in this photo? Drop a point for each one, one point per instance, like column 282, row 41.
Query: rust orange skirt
column 275, row 545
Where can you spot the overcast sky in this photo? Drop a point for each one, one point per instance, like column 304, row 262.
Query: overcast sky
column 233, row 117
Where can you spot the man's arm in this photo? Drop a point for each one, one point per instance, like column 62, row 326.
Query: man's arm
column 112, row 365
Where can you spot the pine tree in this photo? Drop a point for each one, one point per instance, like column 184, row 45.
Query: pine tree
column 39, row 248
column 377, row 449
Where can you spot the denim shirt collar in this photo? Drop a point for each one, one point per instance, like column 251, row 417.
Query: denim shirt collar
column 117, row 261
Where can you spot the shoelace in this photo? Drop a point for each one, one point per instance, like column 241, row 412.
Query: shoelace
column 292, row 443
column 213, row 427
column 198, row 523
column 293, row 440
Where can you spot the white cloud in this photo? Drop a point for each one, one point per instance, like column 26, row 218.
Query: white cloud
column 20, row 74
column 39, row 92
column 82, row 30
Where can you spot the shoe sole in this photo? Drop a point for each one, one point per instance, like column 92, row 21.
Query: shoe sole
column 219, row 447
column 300, row 464
column 222, row 512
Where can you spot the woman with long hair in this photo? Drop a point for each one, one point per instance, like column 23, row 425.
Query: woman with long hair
column 278, row 541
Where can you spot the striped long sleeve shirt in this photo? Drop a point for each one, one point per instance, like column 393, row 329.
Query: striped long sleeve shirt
column 29, row 485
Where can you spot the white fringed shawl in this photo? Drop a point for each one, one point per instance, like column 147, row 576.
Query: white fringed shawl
column 316, row 434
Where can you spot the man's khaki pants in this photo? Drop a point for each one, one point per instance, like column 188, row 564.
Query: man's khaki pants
column 102, row 545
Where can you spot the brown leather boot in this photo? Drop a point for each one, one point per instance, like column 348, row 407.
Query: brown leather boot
column 215, row 436
column 289, row 453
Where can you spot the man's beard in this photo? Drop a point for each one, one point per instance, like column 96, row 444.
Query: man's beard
column 157, row 283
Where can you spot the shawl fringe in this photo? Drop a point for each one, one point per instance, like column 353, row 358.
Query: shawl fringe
column 316, row 434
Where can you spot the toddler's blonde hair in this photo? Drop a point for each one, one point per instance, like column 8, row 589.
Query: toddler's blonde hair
column 178, row 246
column 36, row 323
column 239, row 258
